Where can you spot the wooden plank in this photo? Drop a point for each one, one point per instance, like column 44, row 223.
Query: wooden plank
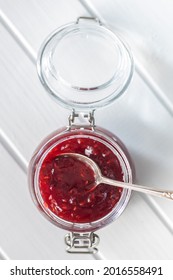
column 36, row 19
column 22, row 107
column 147, row 29
column 133, row 236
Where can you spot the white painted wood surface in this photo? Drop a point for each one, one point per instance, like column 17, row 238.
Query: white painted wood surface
column 143, row 121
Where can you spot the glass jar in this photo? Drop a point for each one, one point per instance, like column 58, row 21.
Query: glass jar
column 83, row 66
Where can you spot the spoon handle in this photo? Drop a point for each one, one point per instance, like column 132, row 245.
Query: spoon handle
column 151, row 191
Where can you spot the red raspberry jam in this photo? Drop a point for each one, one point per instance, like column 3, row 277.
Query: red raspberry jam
column 64, row 182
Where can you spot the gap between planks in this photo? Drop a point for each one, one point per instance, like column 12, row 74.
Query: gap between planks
column 3, row 255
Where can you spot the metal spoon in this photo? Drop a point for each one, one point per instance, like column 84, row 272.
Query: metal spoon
column 99, row 178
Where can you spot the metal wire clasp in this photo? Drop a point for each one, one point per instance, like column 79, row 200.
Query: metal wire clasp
column 82, row 242
column 89, row 18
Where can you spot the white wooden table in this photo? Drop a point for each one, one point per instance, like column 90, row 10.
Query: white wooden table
column 143, row 120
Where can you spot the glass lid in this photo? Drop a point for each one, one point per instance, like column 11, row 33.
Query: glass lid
column 84, row 65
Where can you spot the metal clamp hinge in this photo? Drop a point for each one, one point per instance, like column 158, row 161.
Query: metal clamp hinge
column 82, row 242
column 81, row 116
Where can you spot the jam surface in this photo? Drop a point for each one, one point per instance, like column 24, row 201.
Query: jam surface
column 65, row 182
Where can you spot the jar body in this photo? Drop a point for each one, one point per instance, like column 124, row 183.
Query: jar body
column 95, row 142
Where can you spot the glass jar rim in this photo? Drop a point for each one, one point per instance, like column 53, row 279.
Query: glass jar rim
column 84, row 65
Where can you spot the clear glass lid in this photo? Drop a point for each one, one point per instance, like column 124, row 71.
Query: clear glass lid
column 84, row 65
